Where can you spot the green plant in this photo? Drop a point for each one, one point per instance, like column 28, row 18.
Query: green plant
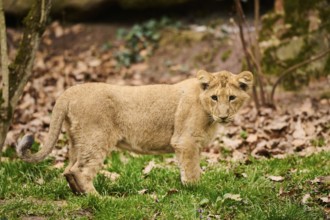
column 319, row 142
column 141, row 40
column 244, row 134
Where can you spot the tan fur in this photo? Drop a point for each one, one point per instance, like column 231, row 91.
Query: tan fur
column 153, row 119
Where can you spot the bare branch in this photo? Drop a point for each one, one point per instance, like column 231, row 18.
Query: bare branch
column 241, row 34
column 294, row 67
column 257, row 50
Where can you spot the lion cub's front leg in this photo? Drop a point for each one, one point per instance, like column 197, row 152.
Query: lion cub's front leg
column 188, row 156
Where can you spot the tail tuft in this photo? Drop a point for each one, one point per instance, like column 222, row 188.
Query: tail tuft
column 25, row 145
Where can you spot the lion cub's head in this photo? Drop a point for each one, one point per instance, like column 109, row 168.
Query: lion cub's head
column 223, row 93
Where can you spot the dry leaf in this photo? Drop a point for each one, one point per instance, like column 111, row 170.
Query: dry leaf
column 211, row 157
column 142, row 191
column 286, row 193
column 94, row 62
column 149, row 167
column 261, row 150
column 154, row 197
column 325, row 199
column 172, row 191
column 238, row 156
column 277, row 125
column 252, row 138
column 233, row 144
column 123, row 158
column 111, row 175
column 40, row 181
column 236, row 197
column 321, row 179
column 212, row 216
column 276, row 178
column 305, row 198
column 171, row 160
column 299, row 132
column 58, row 165
column 307, row 108
column 155, row 216
column 298, row 142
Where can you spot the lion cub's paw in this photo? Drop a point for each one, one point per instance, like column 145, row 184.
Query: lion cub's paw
column 192, row 179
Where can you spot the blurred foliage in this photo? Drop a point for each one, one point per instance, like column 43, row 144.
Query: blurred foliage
column 141, row 40
column 320, row 142
column 325, row 95
column 143, row 4
column 226, row 55
column 294, row 35
column 1, row 98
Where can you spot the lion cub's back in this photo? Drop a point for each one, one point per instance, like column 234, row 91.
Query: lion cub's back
column 140, row 107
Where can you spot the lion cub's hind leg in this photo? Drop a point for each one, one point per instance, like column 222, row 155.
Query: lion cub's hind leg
column 90, row 157
column 72, row 160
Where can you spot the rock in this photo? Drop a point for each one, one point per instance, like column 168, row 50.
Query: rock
column 290, row 50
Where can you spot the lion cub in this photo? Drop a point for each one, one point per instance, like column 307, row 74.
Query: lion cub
column 151, row 119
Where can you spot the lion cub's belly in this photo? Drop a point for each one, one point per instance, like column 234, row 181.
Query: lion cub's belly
column 145, row 148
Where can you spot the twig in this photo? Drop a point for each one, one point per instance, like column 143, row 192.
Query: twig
column 241, row 34
column 257, row 50
column 294, row 67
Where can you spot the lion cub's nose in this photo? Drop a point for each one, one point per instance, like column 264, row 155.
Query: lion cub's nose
column 223, row 118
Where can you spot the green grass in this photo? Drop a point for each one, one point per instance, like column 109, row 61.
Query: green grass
column 38, row 190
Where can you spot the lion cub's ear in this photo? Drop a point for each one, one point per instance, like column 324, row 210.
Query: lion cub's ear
column 245, row 80
column 204, row 78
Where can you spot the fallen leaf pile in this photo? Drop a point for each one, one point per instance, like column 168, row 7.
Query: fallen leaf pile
column 301, row 127
column 75, row 54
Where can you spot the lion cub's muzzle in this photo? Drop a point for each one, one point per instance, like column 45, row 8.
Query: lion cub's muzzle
column 222, row 119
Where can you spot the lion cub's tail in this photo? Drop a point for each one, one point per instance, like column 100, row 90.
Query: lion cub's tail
column 24, row 146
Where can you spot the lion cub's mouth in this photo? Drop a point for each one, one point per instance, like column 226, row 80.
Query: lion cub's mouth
column 221, row 120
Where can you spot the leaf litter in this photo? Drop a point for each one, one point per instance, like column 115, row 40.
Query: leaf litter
column 299, row 125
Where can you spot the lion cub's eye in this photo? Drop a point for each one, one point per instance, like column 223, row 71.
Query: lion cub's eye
column 214, row 97
column 232, row 97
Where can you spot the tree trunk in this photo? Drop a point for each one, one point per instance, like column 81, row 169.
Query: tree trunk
column 4, row 92
column 21, row 69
